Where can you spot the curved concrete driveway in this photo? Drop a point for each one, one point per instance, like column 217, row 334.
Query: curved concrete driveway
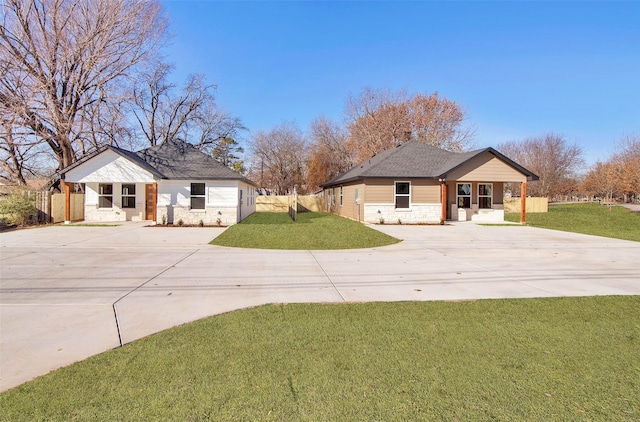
column 69, row 292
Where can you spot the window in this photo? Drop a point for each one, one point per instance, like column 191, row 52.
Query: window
column 403, row 194
column 340, row 195
column 105, row 195
column 464, row 195
column 197, row 196
column 485, row 195
column 128, row 195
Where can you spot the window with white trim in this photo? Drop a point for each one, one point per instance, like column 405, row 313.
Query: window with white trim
column 403, row 195
column 485, row 195
column 340, row 195
column 105, row 195
column 128, row 195
column 463, row 195
column 197, row 196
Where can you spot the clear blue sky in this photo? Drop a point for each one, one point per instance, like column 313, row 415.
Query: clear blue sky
column 521, row 69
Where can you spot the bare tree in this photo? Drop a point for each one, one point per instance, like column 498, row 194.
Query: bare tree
column 551, row 157
column 192, row 114
column 328, row 153
column 278, row 158
column 62, row 57
column 380, row 119
column 18, row 153
column 212, row 127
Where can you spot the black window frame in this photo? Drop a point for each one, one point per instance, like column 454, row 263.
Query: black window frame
column 198, row 196
column 105, row 196
column 483, row 198
column 461, row 199
column 402, row 198
column 128, row 195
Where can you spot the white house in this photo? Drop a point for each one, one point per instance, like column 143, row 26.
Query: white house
column 168, row 183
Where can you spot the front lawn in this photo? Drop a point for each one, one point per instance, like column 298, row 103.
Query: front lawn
column 594, row 219
column 312, row 231
column 518, row 360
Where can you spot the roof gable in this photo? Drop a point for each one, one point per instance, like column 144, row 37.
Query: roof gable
column 108, row 166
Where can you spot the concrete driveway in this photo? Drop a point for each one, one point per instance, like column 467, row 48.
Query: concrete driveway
column 70, row 292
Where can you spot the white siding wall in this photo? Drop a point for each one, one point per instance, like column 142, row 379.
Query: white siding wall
column 108, row 167
column 248, row 205
column 174, row 203
column 221, row 203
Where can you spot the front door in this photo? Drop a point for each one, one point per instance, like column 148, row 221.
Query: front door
column 150, row 200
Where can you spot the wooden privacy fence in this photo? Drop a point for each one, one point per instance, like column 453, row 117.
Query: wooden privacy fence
column 57, row 207
column 512, row 205
column 49, row 208
column 293, row 206
column 280, row 203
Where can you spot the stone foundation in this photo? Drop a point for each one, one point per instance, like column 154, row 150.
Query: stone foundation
column 211, row 216
column 92, row 213
column 418, row 214
column 475, row 214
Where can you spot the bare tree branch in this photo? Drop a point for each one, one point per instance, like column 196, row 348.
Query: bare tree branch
column 65, row 54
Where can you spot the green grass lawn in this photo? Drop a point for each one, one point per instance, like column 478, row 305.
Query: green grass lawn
column 519, row 360
column 312, row 231
column 619, row 223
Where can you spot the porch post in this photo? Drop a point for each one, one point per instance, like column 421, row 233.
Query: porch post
column 443, row 216
column 67, row 203
column 523, row 202
column 155, row 202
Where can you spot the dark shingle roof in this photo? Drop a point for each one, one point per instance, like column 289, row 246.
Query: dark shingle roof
column 415, row 159
column 174, row 159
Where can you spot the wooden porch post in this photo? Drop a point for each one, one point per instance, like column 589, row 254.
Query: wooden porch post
column 155, row 202
column 443, row 217
column 523, row 202
column 67, row 202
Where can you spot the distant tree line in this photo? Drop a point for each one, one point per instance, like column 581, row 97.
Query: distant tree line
column 619, row 176
column 375, row 120
column 80, row 74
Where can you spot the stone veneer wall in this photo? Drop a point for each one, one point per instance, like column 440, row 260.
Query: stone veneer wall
column 488, row 216
column 495, row 215
column 92, row 213
column 418, row 214
column 208, row 216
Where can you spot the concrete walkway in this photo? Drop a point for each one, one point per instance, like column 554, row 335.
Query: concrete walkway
column 70, row 292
